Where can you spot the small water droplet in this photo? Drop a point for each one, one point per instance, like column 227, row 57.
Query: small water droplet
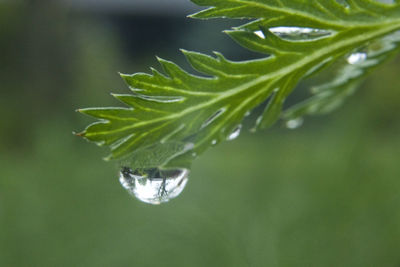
column 248, row 113
column 235, row 133
column 300, row 33
column 161, row 99
column 213, row 142
column 294, row 123
column 153, row 186
column 260, row 34
column 194, row 154
column 356, row 58
column 213, row 117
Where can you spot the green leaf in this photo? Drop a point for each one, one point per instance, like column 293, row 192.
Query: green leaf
column 173, row 117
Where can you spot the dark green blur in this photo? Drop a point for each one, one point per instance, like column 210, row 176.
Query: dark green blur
column 327, row 194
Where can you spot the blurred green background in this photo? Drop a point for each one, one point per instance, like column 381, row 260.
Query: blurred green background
column 327, row 194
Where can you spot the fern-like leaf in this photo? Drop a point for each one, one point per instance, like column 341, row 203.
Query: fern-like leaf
column 170, row 118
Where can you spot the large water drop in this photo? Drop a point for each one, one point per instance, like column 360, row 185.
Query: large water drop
column 154, row 186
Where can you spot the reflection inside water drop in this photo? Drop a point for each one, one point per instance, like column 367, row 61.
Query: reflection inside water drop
column 294, row 123
column 154, row 186
column 356, row 58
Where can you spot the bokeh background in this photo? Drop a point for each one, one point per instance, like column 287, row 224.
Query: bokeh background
column 327, row 194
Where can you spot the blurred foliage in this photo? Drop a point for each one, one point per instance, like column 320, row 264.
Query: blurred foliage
column 325, row 194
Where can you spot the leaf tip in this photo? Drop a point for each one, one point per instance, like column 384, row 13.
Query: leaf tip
column 82, row 111
column 116, row 96
column 194, row 15
column 219, row 56
column 124, row 75
column 187, row 53
column 162, row 61
column 229, row 32
column 80, row 134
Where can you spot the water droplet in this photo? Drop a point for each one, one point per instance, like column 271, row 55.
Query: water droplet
column 213, row 117
column 300, row 33
column 235, row 133
column 356, row 58
column 260, row 34
column 160, row 99
column 194, row 154
column 294, row 123
column 248, row 113
column 213, row 142
column 153, row 186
